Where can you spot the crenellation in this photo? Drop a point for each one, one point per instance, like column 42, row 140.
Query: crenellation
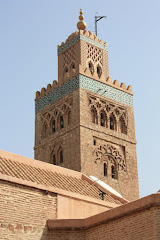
column 68, row 76
column 94, row 133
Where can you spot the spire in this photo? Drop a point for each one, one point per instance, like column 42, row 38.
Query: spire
column 81, row 25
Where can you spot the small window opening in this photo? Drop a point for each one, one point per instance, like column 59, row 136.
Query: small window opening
column 73, row 66
column 66, row 69
column 61, row 156
column 94, row 116
column 102, row 120
column 53, row 126
column 113, row 172
column 112, row 123
column 123, row 128
column 105, row 169
column 61, row 122
column 99, row 72
column 94, row 142
column 54, row 160
column 90, row 65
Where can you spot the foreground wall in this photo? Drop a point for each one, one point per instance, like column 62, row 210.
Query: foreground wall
column 24, row 212
column 136, row 220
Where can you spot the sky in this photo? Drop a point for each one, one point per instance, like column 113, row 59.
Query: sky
column 29, row 34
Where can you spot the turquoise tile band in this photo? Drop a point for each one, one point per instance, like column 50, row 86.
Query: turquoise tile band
column 89, row 84
column 86, row 39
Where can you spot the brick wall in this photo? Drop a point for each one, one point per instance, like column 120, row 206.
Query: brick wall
column 135, row 226
column 138, row 220
column 24, row 212
column 68, row 235
column 127, row 182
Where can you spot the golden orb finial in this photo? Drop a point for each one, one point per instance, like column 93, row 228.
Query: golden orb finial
column 81, row 25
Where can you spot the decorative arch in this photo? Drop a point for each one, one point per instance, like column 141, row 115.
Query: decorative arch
column 73, row 66
column 103, row 119
column 108, row 153
column 122, row 125
column 53, row 125
column 53, row 158
column 94, row 115
column 99, row 70
column 91, row 66
column 60, row 155
column 112, row 122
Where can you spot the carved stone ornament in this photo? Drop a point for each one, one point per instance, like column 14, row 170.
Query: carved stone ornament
column 112, row 153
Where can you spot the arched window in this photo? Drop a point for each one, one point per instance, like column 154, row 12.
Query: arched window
column 61, row 156
column 122, row 126
column 54, row 159
column 61, row 122
column 103, row 119
column 113, row 123
column 99, row 71
column 91, row 68
column 114, row 172
column 69, row 117
column 53, row 126
column 94, row 116
column 73, row 66
column 105, row 169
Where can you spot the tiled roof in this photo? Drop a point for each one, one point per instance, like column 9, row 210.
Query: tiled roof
column 49, row 177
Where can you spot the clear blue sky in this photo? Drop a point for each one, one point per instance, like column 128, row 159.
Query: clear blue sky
column 30, row 33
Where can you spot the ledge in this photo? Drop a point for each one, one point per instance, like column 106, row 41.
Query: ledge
column 135, row 206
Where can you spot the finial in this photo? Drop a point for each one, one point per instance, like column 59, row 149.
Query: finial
column 81, row 25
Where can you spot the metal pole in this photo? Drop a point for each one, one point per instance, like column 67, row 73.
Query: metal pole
column 97, row 18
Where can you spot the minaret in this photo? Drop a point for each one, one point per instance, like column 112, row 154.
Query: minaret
column 85, row 121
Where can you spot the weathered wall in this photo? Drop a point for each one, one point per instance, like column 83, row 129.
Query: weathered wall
column 67, row 138
column 24, row 212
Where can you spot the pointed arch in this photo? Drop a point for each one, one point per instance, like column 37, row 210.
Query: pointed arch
column 53, row 158
column 60, row 155
column 122, row 125
column 91, row 66
column 53, row 125
column 94, row 115
column 99, row 70
column 103, row 119
column 113, row 122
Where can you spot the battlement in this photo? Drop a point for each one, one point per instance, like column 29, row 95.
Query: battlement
column 55, row 85
column 82, row 34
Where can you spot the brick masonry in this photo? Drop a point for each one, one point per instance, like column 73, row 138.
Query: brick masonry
column 137, row 220
column 24, row 212
column 86, row 145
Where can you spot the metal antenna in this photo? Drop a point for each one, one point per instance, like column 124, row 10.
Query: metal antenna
column 97, row 18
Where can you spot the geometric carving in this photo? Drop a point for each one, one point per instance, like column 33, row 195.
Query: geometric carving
column 68, row 56
column 116, row 116
column 52, row 118
column 101, row 152
column 94, row 53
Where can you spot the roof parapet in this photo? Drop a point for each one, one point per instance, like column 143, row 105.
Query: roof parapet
column 85, row 33
column 108, row 81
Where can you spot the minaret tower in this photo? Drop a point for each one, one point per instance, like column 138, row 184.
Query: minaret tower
column 85, row 121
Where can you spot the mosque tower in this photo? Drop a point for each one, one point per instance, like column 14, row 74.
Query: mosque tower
column 85, row 122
